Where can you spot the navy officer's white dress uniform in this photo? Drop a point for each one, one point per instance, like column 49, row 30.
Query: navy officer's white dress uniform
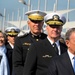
column 40, row 53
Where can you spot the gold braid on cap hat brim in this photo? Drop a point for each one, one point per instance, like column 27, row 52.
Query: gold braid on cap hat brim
column 54, row 22
column 35, row 17
column 12, row 33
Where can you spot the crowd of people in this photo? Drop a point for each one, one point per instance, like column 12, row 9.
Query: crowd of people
column 37, row 53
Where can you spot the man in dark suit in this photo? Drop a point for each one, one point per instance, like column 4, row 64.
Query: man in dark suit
column 64, row 64
column 11, row 33
column 40, row 53
column 22, row 43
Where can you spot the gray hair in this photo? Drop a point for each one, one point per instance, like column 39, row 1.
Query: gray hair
column 68, row 33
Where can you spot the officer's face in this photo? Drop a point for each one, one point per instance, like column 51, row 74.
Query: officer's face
column 54, row 31
column 11, row 39
column 71, row 43
column 35, row 27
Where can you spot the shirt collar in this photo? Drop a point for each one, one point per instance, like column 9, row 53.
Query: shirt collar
column 12, row 46
column 35, row 36
column 57, row 42
column 70, row 55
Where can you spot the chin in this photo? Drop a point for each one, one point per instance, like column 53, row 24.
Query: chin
column 1, row 45
column 37, row 31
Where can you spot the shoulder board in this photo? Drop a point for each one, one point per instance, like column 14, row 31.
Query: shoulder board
column 22, row 35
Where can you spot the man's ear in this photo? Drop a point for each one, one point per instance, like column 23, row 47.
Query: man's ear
column 67, row 42
column 28, row 22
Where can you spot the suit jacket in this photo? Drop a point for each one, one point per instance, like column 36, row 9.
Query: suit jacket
column 21, row 48
column 61, row 65
column 39, row 56
column 9, row 56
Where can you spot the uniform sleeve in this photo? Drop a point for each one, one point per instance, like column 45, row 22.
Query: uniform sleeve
column 52, row 70
column 30, row 64
column 17, row 58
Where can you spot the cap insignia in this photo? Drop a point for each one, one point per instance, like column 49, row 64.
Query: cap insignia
column 37, row 12
column 12, row 30
column 55, row 17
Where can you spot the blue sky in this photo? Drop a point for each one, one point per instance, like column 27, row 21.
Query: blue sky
column 14, row 5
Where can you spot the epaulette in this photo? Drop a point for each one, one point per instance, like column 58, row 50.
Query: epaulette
column 26, row 34
column 23, row 35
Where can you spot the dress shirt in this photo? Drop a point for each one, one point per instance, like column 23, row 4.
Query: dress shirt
column 57, row 43
column 71, row 57
column 12, row 46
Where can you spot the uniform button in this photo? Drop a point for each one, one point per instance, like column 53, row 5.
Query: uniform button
column 37, row 39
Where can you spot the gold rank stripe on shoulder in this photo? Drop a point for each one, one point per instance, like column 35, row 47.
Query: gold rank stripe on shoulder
column 26, row 43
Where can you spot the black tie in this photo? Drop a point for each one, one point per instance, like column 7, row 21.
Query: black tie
column 55, row 47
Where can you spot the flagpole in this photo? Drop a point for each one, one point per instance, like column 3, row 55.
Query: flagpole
column 29, row 6
column 19, row 22
column 4, row 19
column 1, row 20
column 23, row 13
column 38, row 4
column 68, row 7
column 12, row 16
column 56, row 4
column 8, row 20
column 18, row 14
column 45, row 4
column 54, row 9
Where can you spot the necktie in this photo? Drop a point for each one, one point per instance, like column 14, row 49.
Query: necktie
column 74, row 64
column 55, row 47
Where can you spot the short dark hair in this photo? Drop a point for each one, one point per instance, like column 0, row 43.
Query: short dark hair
column 68, row 33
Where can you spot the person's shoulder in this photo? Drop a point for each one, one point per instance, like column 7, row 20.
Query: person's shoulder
column 24, row 35
column 63, row 44
column 44, row 34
